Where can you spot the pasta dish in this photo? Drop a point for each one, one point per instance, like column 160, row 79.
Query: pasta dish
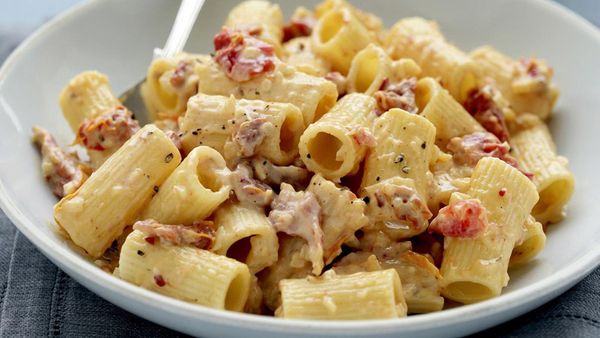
column 326, row 167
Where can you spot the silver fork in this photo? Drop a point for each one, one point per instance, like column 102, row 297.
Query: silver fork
column 186, row 17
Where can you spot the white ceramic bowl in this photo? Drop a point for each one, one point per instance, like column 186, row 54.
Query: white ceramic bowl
column 117, row 38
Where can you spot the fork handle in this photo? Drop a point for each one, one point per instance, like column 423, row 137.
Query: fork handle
column 184, row 22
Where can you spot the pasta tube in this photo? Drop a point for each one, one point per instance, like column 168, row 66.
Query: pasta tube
column 526, row 84
column 474, row 269
column 405, row 146
column 193, row 191
column 261, row 16
column 88, row 95
column 532, row 244
column 299, row 53
column 245, row 233
column 362, row 295
column 338, row 36
column 372, row 68
column 421, row 40
column 170, row 82
column 314, row 96
column 536, row 153
column 114, row 195
column 335, row 145
column 440, row 108
column 255, row 127
column 184, row 272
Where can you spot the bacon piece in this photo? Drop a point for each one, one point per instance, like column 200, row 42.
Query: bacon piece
column 298, row 214
column 180, row 73
column 469, row 149
column 108, row 131
column 464, row 219
column 399, row 206
column 297, row 28
column 200, row 234
column 247, row 189
column 340, row 81
column 63, row 171
column 363, row 136
column 251, row 134
column 275, row 175
column 399, row 95
column 242, row 56
column 481, row 105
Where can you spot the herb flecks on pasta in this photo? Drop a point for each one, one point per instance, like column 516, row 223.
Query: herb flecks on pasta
column 319, row 168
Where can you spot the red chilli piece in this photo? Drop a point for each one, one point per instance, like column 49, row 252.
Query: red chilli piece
column 150, row 239
column 502, row 192
column 159, row 280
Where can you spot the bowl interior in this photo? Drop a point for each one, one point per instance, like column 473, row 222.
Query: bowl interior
column 117, row 38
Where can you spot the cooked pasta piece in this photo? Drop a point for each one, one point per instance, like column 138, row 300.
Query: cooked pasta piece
column 371, row 22
column 363, row 295
column 536, row 153
column 193, row 191
column 335, row 145
column 440, row 108
column 292, row 263
column 338, row 36
column 482, row 229
column 405, row 147
column 299, row 53
column 532, row 244
column 420, row 278
column 184, row 272
column 244, row 233
column 262, row 18
column 314, row 96
column 526, row 84
column 170, row 82
column 87, row 96
column 243, row 128
column 372, row 69
column 421, row 40
column 115, row 194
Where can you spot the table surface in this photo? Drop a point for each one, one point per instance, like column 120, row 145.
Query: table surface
column 38, row 299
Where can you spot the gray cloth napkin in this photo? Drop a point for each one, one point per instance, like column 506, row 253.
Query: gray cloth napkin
column 38, row 299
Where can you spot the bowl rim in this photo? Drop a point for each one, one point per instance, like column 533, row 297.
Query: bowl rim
column 81, row 269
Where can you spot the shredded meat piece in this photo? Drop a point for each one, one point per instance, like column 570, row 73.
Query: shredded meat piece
column 108, row 131
column 275, row 175
column 399, row 207
column 298, row 28
column 200, row 234
column 363, row 136
column 464, row 219
column 342, row 214
column 180, row 73
column 469, row 149
column 249, row 190
column 252, row 133
column 399, row 95
column 481, row 105
column 63, row 171
column 298, row 214
column 242, row 56
column 340, row 81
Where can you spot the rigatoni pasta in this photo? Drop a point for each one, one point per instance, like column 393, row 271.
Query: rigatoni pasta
column 321, row 168
column 335, row 145
column 184, row 272
column 114, row 195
